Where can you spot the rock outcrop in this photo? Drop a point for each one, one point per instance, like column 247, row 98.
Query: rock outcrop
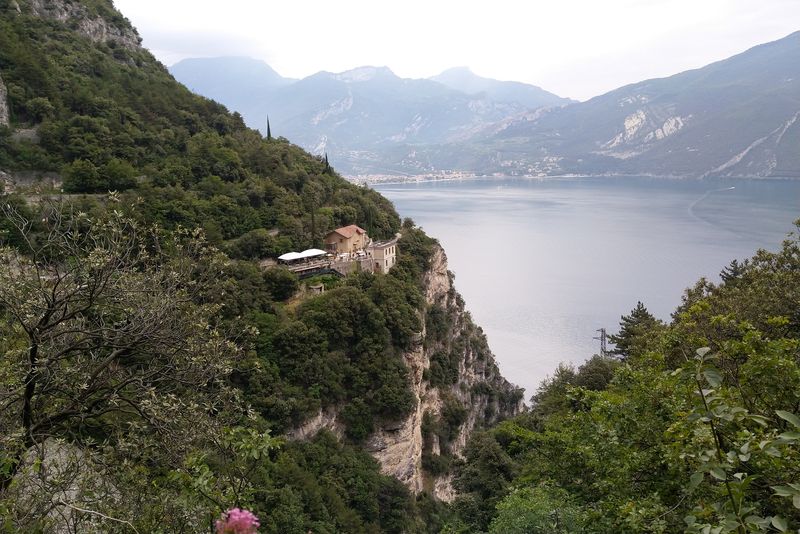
column 58, row 481
column 4, row 114
column 97, row 28
column 326, row 419
column 478, row 389
column 451, row 371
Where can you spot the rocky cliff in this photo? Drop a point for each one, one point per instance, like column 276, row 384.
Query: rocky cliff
column 457, row 388
column 4, row 116
column 102, row 24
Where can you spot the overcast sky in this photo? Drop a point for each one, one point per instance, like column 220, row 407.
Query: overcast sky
column 575, row 48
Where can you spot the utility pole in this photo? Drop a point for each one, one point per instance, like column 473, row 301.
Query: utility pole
column 603, row 337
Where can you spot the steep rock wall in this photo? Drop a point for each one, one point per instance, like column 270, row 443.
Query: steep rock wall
column 467, row 382
column 4, row 114
column 94, row 26
column 451, row 345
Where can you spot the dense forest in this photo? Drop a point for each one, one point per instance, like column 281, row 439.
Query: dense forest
column 151, row 369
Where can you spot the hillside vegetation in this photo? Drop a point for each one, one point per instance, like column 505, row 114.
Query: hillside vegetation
column 150, row 366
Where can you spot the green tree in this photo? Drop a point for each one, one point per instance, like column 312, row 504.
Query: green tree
column 118, row 175
column 281, row 283
column 596, row 373
column 82, row 176
column 483, row 481
column 109, row 360
column 551, row 397
column 39, row 108
column 733, row 270
column 312, row 195
column 633, row 329
column 538, row 510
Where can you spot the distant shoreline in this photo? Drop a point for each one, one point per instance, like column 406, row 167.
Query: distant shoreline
column 399, row 180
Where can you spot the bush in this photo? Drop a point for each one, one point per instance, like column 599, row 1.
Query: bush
column 539, row 510
column 281, row 283
column 81, row 176
column 39, row 108
column 118, row 175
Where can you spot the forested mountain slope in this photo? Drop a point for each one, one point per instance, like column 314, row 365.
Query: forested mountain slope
column 151, row 367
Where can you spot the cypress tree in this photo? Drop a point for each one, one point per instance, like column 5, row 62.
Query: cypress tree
column 269, row 131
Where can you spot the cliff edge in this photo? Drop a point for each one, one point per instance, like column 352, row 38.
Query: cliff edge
column 457, row 389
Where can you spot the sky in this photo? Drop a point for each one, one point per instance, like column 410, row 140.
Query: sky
column 574, row 48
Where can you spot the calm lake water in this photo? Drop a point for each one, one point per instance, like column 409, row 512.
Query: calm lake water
column 544, row 263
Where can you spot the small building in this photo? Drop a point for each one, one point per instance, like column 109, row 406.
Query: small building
column 383, row 255
column 316, row 289
column 348, row 239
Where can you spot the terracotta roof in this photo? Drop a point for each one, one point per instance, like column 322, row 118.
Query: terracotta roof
column 348, row 231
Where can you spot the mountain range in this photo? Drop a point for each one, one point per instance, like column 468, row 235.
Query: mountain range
column 736, row 117
column 360, row 117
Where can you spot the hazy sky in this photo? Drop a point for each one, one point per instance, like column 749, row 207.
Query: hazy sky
column 575, row 48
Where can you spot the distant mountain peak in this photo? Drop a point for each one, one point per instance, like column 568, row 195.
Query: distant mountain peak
column 233, row 80
column 364, row 74
column 228, row 66
column 463, row 79
column 463, row 75
column 461, row 69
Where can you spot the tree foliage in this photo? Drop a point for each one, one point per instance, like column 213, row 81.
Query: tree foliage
column 632, row 330
column 697, row 429
column 106, row 352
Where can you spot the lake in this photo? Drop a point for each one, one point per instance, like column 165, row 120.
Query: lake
column 544, row 263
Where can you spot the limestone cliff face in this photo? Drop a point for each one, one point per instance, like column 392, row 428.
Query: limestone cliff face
column 4, row 115
column 457, row 388
column 97, row 28
column 454, row 379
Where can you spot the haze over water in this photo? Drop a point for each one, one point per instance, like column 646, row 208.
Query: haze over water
column 544, row 263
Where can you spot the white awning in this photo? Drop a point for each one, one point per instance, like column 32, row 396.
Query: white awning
column 289, row 256
column 312, row 252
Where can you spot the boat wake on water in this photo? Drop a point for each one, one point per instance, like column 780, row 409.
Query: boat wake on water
column 704, row 196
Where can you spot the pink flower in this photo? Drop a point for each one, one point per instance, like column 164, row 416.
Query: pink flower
column 236, row 521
